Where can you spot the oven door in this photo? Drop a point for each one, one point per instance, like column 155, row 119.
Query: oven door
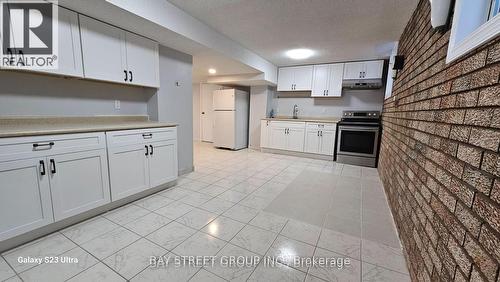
column 358, row 141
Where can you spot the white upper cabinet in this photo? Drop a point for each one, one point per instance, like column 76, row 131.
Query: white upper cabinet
column 354, row 70
column 321, row 75
column 295, row 78
column 142, row 60
column 115, row 55
column 285, row 79
column 364, row 70
column 327, row 80
column 69, row 52
column 373, row 69
column 303, row 78
column 69, row 49
column 104, row 53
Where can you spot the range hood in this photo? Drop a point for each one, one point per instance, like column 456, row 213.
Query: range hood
column 362, row 83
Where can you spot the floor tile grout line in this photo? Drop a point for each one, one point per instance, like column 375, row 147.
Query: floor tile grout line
column 98, row 261
column 267, row 250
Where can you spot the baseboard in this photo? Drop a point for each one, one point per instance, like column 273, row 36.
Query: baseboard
column 186, row 171
column 297, row 154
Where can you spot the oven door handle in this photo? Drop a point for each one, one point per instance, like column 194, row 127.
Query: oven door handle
column 359, row 128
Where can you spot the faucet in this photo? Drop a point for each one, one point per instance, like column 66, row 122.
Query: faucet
column 295, row 111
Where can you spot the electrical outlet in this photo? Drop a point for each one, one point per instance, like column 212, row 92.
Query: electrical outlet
column 117, row 104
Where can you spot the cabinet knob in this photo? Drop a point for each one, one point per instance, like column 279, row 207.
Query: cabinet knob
column 126, row 75
column 131, row 76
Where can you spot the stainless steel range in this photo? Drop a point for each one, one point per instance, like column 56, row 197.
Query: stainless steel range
column 358, row 138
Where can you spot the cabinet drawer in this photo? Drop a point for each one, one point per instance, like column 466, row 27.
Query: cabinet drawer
column 38, row 146
column 323, row 126
column 288, row 124
column 140, row 136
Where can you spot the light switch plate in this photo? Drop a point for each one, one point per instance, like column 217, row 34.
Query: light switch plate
column 117, row 104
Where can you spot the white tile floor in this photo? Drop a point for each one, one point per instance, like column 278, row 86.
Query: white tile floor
column 234, row 204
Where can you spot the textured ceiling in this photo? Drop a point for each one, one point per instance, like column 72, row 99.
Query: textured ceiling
column 202, row 61
column 337, row 30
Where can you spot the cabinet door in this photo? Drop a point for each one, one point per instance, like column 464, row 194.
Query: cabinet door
column 104, row 52
column 321, row 75
column 312, row 141
column 142, row 60
column 264, row 133
column 78, row 182
column 69, row 52
column 162, row 163
column 354, row 70
column 303, row 78
column 327, row 142
column 296, row 139
column 278, row 138
column 285, row 79
column 128, row 170
column 373, row 69
column 69, row 49
column 335, row 81
column 25, row 202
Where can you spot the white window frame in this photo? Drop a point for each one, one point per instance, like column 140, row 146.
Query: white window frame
column 486, row 30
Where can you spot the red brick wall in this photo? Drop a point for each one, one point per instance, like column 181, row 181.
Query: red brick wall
column 439, row 158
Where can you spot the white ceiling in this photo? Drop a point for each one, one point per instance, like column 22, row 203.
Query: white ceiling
column 202, row 61
column 338, row 30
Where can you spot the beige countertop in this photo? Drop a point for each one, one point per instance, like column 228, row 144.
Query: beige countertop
column 306, row 119
column 32, row 126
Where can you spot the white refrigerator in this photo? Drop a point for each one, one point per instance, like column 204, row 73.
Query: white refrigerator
column 231, row 119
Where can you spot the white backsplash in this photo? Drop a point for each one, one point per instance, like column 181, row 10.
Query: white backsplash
column 371, row 100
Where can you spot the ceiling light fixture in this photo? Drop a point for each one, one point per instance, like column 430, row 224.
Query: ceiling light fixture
column 299, row 54
column 212, row 71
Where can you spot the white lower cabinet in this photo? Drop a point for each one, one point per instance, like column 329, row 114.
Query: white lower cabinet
column 162, row 162
column 264, row 133
column 320, row 138
column 58, row 176
column 315, row 138
column 78, row 182
column 312, row 143
column 327, row 144
column 295, row 139
column 278, row 138
column 25, row 202
column 45, row 179
column 143, row 165
column 128, row 170
column 287, row 136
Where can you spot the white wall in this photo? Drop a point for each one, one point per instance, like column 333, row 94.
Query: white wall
column 23, row 93
column 174, row 103
column 196, row 112
column 332, row 107
column 261, row 102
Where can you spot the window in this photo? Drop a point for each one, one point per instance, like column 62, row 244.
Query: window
column 474, row 23
column 495, row 9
